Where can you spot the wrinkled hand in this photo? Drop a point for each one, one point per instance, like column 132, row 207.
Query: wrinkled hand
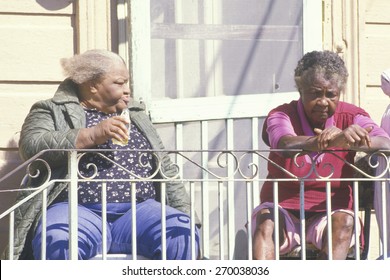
column 353, row 136
column 114, row 127
column 325, row 137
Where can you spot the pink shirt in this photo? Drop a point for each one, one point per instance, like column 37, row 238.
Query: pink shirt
column 279, row 125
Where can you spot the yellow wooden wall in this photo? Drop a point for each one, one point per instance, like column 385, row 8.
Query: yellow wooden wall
column 375, row 55
column 360, row 31
column 35, row 36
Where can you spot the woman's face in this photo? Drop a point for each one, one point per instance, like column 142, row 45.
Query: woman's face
column 112, row 92
column 320, row 98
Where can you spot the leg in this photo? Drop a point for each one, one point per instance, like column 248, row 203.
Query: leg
column 149, row 232
column 57, row 240
column 263, row 238
column 342, row 231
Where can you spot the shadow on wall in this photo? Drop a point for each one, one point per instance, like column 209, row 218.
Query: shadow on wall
column 54, row 5
column 9, row 161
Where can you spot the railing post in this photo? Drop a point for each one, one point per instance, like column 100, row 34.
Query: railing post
column 192, row 219
column 249, row 207
column 133, row 221
column 384, row 219
column 356, row 219
column 220, row 217
column 329, row 218
column 302, row 219
column 73, row 215
column 205, row 192
column 163, row 222
column 44, row 216
column 104, row 220
column 276, row 219
column 11, row 235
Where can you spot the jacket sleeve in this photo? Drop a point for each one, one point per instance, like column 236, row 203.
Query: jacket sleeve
column 45, row 127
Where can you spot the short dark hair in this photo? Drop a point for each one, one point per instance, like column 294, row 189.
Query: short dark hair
column 329, row 63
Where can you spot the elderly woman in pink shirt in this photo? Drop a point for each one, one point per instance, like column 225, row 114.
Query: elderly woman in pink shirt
column 317, row 121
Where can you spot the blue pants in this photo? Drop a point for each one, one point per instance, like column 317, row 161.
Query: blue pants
column 118, row 232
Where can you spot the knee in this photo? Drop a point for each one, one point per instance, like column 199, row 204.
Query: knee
column 57, row 245
column 181, row 242
column 343, row 221
column 265, row 224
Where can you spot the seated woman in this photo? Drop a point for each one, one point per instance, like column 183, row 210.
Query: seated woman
column 317, row 121
column 86, row 113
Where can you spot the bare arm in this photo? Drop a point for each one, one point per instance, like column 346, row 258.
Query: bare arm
column 354, row 138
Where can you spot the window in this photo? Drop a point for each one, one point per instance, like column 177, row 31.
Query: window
column 233, row 50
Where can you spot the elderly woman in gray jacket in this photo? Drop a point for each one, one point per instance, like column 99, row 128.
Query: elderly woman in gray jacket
column 93, row 109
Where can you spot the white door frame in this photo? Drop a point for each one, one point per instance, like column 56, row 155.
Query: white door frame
column 137, row 48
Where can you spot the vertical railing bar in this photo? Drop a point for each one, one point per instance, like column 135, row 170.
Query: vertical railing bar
column 205, row 191
column 230, row 191
column 356, row 219
column 73, row 215
column 384, row 219
column 249, row 187
column 163, row 222
column 329, row 218
column 276, row 219
column 302, row 219
column 133, row 221
column 255, row 159
column 192, row 219
column 44, row 224
column 11, row 235
column 104, row 220
column 254, row 195
column 221, row 228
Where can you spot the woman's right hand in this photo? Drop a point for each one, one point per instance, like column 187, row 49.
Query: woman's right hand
column 112, row 128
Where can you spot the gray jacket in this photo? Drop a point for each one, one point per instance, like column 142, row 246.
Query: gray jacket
column 54, row 124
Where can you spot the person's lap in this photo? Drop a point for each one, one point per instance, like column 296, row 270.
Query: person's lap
column 178, row 232
column 315, row 228
column 118, row 234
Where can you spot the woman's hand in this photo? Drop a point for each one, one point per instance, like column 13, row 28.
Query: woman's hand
column 325, row 137
column 353, row 136
column 112, row 128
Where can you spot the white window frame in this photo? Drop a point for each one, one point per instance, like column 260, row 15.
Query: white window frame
column 138, row 53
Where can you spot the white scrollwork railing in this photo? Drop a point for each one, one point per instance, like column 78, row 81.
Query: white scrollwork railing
column 238, row 167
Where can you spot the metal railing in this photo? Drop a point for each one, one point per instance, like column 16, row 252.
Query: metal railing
column 228, row 182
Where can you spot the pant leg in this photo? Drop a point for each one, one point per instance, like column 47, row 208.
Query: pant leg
column 149, row 232
column 57, row 240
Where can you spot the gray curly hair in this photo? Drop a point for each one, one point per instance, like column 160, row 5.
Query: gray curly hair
column 89, row 66
column 328, row 63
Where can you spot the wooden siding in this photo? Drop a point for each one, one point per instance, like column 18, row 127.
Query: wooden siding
column 37, row 34
column 375, row 55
